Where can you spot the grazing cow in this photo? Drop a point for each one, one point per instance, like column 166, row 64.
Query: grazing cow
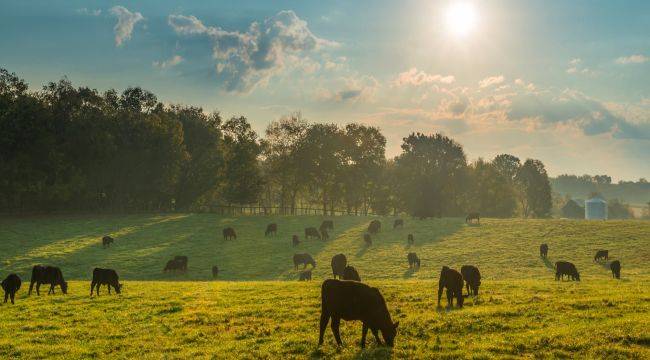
column 325, row 236
column 615, row 266
column 173, row 265
column 410, row 240
column 398, row 223
column 305, row 275
column 543, row 250
column 271, row 229
column 452, row 280
column 229, row 234
column 107, row 241
column 311, row 232
column 215, row 271
column 303, row 259
column 339, row 261
column 182, row 262
column 374, row 226
column 11, row 284
column 472, row 278
column 413, row 259
column 473, row 216
column 350, row 273
column 566, row 268
column 601, row 254
column 295, row 241
column 367, row 239
column 106, row 277
column 352, row 300
column 50, row 275
column 327, row 225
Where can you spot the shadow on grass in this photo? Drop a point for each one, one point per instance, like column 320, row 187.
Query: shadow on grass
column 362, row 250
column 378, row 352
column 547, row 262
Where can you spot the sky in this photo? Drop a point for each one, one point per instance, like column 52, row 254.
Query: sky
column 565, row 82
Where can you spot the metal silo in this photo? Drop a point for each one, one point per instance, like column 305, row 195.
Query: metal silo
column 596, row 209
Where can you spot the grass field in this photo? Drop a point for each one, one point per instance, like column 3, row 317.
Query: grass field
column 522, row 311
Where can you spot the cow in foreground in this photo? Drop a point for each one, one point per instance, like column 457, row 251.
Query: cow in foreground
column 374, row 226
column 229, row 234
column 350, row 273
column 398, row 223
column 106, row 277
column 472, row 278
column 271, row 229
column 601, row 255
column 11, row 285
column 107, row 241
column 452, row 280
column 543, row 251
column 304, row 260
column 615, row 266
column 50, row 275
column 352, row 300
column 473, row 216
column 339, row 262
column 566, row 268
column 312, row 232
column 413, row 259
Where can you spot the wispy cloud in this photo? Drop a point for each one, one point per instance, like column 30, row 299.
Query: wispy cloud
column 632, row 59
column 90, row 12
column 171, row 62
column 576, row 67
column 413, row 77
column 126, row 21
column 490, row 81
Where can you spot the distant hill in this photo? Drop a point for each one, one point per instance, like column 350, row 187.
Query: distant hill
column 635, row 193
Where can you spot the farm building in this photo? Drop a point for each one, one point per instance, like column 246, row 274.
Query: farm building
column 596, row 209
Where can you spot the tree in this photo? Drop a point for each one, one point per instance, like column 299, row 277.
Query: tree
column 534, row 189
column 490, row 190
column 243, row 181
column 507, row 165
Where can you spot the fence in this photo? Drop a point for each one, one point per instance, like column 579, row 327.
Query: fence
column 277, row 210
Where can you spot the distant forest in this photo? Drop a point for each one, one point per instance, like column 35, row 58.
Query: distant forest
column 581, row 187
column 66, row 148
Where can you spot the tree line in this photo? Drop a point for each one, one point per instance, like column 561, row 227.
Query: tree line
column 66, row 148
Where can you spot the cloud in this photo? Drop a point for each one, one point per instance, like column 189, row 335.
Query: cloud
column 90, row 12
column 171, row 62
column 576, row 68
column 353, row 88
column 126, row 20
column 245, row 60
column 492, row 80
column 413, row 77
column 632, row 59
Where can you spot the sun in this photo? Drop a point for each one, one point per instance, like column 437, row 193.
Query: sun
column 461, row 18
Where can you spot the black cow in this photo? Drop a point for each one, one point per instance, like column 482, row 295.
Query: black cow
column 50, row 275
column 452, row 280
column 106, row 277
column 367, row 239
column 566, row 268
column 229, row 234
column 107, row 241
column 410, row 240
column 311, row 232
column 543, row 250
column 173, row 265
column 398, row 223
column 473, row 216
column 350, row 273
column 472, row 278
column 374, row 226
column 295, row 241
column 601, row 254
column 339, row 261
column 352, row 300
column 215, row 271
column 615, row 266
column 271, row 229
column 11, row 285
column 326, row 225
column 324, row 234
column 305, row 275
column 182, row 262
column 413, row 259
column 303, row 259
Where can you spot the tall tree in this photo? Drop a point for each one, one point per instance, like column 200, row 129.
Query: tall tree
column 243, row 182
column 535, row 189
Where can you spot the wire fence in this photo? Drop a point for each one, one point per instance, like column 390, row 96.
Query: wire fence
column 277, row 210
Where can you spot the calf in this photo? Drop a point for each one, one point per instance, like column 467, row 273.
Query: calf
column 473, row 216
column 615, row 266
column 182, row 262
column 215, row 271
column 106, row 277
column 295, row 241
column 601, row 254
column 352, row 300
column 229, row 234
column 543, row 250
column 50, row 275
column 398, row 223
column 271, row 229
column 107, row 241
column 413, row 259
column 305, row 275
column 374, row 226
column 452, row 280
column 566, row 268
column 304, row 259
column 472, row 278
column 367, row 239
column 324, row 234
column 11, row 285
column 410, row 240
column 311, row 232
column 350, row 273
column 339, row 262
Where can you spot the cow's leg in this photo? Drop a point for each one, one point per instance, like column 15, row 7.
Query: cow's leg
column 38, row 288
column 109, row 288
column 6, row 295
column 324, row 319
column 450, row 298
column 31, row 284
column 336, row 324
column 375, row 332
column 364, row 331
column 51, row 291
column 439, row 294
column 92, row 285
column 13, row 295
column 467, row 286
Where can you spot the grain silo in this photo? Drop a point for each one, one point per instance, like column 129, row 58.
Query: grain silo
column 596, row 209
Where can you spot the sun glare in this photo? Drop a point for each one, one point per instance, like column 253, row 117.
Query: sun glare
column 461, row 18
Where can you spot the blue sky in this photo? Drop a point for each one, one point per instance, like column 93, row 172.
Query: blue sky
column 567, row 82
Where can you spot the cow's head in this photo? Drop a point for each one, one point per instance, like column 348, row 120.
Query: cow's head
column 64, row 287
column 389, row 333
column 118, row 288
